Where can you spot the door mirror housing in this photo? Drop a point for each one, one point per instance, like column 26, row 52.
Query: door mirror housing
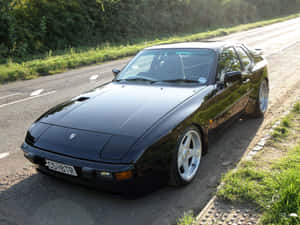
column 258, row 51
column 116, row 72
column 233, row 76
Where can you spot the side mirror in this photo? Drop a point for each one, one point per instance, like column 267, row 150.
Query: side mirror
column 116, row 72
column 233, row 76
column 259, row 51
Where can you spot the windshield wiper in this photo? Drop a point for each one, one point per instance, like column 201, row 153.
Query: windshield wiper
column 180, row 81
column 137, row 79
column 158, row 81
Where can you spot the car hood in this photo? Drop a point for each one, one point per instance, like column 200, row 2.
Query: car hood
column 126, row 110
column 103, row 124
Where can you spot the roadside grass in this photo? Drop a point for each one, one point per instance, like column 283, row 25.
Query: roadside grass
column 187, row 219
column 283, row 129
column 296, row 108
column 74, row 58
column 272, row 185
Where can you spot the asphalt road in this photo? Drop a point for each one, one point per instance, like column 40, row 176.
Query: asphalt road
column 27, row 197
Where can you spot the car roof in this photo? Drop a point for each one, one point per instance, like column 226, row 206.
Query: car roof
column 216, row 45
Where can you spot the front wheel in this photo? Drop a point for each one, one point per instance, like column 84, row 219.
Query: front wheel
column 187, row 157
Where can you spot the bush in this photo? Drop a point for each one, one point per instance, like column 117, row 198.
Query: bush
column 36, row 26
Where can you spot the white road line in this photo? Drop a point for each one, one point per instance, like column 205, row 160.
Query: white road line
column 3, row 155
column 36, row 92
column 106, row 71
column 282, row 49
column 287, row 46
column 26, row 99
column 94, row 77
column 10, row 95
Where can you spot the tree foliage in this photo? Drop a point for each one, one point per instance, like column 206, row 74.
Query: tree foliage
column 36, row 26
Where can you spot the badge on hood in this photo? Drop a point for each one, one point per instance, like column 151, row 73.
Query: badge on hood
column 72, row 136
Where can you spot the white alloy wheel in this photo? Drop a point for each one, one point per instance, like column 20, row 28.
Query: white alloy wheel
column 189, row 155
column 263, row 96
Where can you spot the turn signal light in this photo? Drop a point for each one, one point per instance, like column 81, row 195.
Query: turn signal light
column 124, row 175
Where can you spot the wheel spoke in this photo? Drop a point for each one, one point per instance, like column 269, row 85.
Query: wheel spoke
column 187, row 142
column 190, row 153
column 180, row 161
column 181, row 150
column 196, row 153
column 186, row 166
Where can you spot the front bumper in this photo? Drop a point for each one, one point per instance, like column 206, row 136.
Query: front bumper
column 88, row 171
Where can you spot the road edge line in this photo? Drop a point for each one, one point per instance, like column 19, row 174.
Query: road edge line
column 26, row 99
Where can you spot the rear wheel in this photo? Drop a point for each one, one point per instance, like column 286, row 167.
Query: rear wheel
column 187, row 157
column 262, row 101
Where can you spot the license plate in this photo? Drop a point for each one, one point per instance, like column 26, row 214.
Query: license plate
column 61, row 168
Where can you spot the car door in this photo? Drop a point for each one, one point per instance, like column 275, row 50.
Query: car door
column 228, row 98
column 247, row 74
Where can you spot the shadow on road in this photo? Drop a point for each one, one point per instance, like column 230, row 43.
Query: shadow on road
column 45, row 200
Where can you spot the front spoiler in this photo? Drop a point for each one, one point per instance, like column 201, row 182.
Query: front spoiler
column 86, row 171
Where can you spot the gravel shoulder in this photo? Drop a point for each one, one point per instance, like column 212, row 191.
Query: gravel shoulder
column 230, row 206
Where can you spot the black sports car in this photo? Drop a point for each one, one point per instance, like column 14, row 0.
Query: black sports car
column 153, row 118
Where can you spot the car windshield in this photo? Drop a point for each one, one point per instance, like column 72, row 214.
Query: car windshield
column 170, row 65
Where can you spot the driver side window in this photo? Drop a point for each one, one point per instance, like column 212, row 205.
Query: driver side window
column 228, row 62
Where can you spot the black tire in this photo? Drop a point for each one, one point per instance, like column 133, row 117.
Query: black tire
column 259, row 111
column 175, row 178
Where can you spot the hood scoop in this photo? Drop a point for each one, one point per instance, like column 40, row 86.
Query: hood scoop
column 82, row 99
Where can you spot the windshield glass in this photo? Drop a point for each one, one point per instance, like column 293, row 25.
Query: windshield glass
column 169, row 65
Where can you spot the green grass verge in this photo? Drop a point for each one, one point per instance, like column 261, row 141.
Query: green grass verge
column 274, row 186
column 283, row 129
column 73, row 59
column 187, row 219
